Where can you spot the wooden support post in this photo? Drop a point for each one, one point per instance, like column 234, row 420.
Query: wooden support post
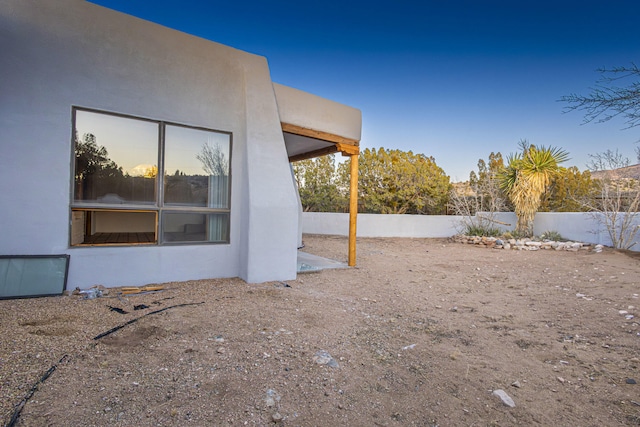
column 353, row 209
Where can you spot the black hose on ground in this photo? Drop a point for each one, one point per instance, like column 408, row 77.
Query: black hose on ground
column 20, row 406
column 117, row 328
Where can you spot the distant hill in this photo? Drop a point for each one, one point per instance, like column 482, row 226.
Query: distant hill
column 620, row 173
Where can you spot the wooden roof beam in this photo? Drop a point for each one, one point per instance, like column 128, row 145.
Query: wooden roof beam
column 324, row 136
column 312, row 154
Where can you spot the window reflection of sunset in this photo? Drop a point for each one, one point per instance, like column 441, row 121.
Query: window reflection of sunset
column 118, row 168
column 132, row 144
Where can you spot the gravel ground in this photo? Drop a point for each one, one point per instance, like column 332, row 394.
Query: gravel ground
column 421, row 332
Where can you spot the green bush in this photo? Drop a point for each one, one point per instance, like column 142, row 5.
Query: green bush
column 551, row 235
column 478, row 230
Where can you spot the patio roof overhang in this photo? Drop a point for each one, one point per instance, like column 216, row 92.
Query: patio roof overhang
column 303, row 143
column 312, row 127
column 315, row 126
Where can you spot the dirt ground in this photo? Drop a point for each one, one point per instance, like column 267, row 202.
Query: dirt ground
column 420, row 333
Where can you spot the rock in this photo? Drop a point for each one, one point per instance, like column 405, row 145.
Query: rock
column 276, row 417
column 506, row 399
column 525, row 244
column 516, row 384
column 323, row 357
column 272, row 398
column 630, row 381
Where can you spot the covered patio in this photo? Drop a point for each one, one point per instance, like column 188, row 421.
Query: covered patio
column 314, row 127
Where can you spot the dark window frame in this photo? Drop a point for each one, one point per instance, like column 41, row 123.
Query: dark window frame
column 158, row 207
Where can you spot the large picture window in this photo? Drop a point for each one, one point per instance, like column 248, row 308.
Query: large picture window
column 141, row 181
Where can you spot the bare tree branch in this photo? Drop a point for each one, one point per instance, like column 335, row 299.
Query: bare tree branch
column 607, row 100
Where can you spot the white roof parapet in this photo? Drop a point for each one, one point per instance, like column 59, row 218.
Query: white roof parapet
column 310, row 111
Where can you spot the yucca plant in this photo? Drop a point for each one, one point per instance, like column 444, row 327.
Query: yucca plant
column 525, row 179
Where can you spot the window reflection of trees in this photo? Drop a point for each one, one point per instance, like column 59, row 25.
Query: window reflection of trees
column 213, row 159
column 195, row 168
column 100, row 179
column 215, row 163
column 182, row 189
column 209, row 189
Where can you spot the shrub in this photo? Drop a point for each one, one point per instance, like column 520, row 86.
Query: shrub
column 480, row 230
column 514, row 234
column 551, row 235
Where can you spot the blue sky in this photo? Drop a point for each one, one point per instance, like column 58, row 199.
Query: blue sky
column 454, row 80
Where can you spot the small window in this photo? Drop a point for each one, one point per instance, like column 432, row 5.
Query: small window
column 195, row 227
column 113, row 227
column 119, row 197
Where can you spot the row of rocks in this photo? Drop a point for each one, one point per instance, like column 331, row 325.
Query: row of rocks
column 526, row 244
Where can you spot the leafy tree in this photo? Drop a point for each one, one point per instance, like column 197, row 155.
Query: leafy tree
column 317, row 185
column 92, row 158
column 525, row 179
column 486, row 171
column 568, row 191
column 398, row 182
column 485, row 187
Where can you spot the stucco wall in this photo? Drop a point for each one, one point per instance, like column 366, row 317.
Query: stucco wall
column 581, row 227
column 313, row 112
column 372, row 225
column 66, row 53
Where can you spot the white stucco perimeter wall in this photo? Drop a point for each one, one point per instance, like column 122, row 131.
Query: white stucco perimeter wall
column 373, row 225
column 584, row 227
column 578, row 226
